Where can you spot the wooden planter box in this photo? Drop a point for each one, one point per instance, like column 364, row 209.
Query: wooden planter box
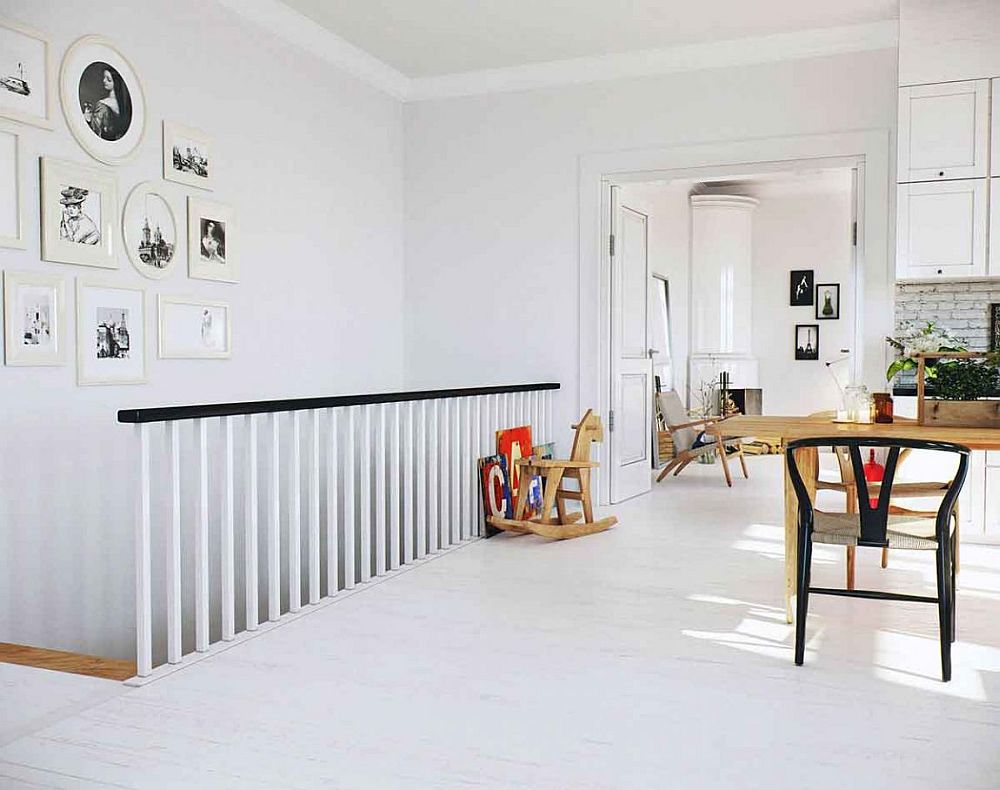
column 954, row 413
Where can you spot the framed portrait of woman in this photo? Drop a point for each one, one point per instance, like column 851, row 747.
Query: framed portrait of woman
column 79, row 214
column 102, row 99
column 211, row 237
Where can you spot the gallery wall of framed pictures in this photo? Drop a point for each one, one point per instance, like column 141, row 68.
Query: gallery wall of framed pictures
column 824, row 298
column 85, row 220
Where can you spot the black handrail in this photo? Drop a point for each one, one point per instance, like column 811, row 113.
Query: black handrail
column 168, row 413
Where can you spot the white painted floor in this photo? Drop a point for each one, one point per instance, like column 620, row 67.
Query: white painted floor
column 654, row 655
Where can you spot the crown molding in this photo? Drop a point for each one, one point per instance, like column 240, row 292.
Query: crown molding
column 295, row 28
column 644, row 63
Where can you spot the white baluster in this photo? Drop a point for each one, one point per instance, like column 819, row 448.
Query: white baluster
column 366, row 493
column 468, row 474
column 201, row 544
column 380, row 558
column 483, row 434
column 314, row 510
column 433, row 494
column 174, row 611
column 421, row 465
column 350, row 523
column 295, row 518
column 394, row 501
column 455, row 428
column 549, row 424
column 226, row 538
column 408, row 468
column 332, row 524
column 250, row 547
column 143, row 564
column 274, row 525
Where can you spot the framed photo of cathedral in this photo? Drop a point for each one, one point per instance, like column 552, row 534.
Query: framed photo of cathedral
column 211, row 241
column 79, row 213
column 110, row 334
column 34, row 319
column 149, row 227
column 188, row 156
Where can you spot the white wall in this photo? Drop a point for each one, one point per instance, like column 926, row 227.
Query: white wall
column 312, row 162
column 492, row 201
column 801, row 225
column 945, row 40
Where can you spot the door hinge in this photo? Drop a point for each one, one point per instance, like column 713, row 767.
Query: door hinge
column 611, row 245
column 854, row 234
column 611, row 420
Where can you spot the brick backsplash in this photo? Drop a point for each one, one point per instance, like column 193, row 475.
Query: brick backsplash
column 963, row 307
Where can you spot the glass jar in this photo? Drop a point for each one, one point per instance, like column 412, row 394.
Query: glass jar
column 858, row 403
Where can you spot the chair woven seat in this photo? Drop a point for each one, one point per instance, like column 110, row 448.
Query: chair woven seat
column 903, row 532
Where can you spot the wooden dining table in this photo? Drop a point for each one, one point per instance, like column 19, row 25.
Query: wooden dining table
column 807, row 459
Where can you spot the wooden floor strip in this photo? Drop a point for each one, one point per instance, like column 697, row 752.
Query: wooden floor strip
column 60, row 661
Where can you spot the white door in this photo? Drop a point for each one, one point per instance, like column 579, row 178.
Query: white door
column 941, row 229
column 631, row 368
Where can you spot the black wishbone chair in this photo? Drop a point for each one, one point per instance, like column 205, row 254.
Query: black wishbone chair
column 875, row 526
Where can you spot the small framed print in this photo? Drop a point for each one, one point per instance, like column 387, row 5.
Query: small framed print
column 807, row 342
column 827, row 301
column 110, row 334
column 187, row 156
column 79, row 214
column 11, row 195
column 102, row 99
column 194, row 329
column 995, row 327
column 801, row 288
column 34, row 319
column 211, row 237
column 26, row 92
column 149, row 227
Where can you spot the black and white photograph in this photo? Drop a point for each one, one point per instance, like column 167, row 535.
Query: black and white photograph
column 111, row 334
column 150, row 230
column 801, row 288
column 210, row 241
column 11, row 205
column 102, row 99
column 995, row 327
column 25, row 75
column 187, row 156
column 827, row 301
column 807, row 342
column 194, row 329
column 79, row 209
column 34, row 310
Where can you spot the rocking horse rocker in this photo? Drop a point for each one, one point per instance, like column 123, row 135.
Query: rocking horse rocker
column 555, row 473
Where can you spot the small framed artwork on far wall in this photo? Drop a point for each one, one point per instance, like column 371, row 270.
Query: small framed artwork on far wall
column 827, row 301
column 995, row 327
column 807, row 342
column 801, row 288
column 211, row 241
column 194, row 329
column 187, row 156
column 34, row 319
column 110, row 334
column 79, row 214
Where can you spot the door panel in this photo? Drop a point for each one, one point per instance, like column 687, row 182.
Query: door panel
column 941, row 229
column 633, row 427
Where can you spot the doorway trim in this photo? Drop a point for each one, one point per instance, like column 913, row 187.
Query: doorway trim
column 598, row 170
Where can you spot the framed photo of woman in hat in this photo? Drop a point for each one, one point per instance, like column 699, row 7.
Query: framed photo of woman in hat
column 79, row 213
column 102, row 99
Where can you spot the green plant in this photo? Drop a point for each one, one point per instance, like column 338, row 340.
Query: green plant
column 916, row 339
column 967, row 379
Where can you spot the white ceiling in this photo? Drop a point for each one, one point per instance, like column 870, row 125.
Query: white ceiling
column 422, row 38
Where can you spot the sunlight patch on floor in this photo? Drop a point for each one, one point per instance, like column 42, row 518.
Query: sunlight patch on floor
column 914, row 661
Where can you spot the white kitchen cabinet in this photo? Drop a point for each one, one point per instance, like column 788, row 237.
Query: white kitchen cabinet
column 941, row 229
column 994, row 262
column 943, row 131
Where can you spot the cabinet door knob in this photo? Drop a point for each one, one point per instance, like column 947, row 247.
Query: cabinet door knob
column 941, row 173
column 940, row 271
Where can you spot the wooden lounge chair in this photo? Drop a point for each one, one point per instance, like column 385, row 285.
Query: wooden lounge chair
column 689, row 443
column 567, row 524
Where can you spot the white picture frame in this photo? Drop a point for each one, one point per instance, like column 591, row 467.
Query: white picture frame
column 35, row 331
column 194, row 328
column 211, row 241
column 105, row 354
column 12, row 227
column 103, row 100
column 67, row 234
column 193, row 161
column 26, row 63
column 150, row 231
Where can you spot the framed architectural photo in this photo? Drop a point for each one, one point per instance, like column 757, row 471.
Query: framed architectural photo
column 102, row 99
column 194, row 329
column 110, row 334
column 807, row 341
column 801, row 288
column 26, row 91
column 79, row 213
column 827, row 301
column 187, row 156
column 211, row 237
column 149, row 227
column 34, row 319
column 11, row 193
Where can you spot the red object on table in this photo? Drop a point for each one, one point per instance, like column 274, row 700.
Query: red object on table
column 874, row 472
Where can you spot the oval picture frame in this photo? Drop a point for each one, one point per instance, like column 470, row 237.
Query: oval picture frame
column 143, row 240
column 109, row 127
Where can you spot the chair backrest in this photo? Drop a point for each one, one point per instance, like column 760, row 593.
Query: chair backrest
column 674, row 413
column 588, row 430
column 874, row 520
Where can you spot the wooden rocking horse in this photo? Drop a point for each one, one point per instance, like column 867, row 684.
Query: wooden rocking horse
column 555, row 473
